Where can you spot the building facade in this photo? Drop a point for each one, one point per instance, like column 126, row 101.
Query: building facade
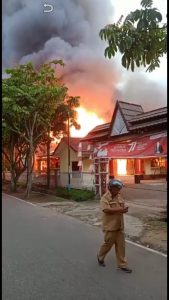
column 132, row 147
column 73, row 163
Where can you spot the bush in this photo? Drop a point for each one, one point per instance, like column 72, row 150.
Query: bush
column 75, row 194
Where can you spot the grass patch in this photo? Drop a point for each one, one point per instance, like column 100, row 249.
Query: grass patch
column 75, row 194
column 157, row 224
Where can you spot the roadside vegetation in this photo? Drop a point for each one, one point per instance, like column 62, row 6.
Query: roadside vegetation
column 35, row 102
column 75, row 194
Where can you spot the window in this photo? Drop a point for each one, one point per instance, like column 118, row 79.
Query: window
column 154, row 163
column 162, row 162
column 158, row 162
column 75, row 166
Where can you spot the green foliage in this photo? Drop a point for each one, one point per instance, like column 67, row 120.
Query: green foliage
column 146, row 3
column 65, row 109
column 34, row 102
column 74, row 194
column 28, row 93
column 141, row 38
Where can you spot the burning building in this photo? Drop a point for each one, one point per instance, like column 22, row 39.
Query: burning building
column 71, row 33
column 133, row 145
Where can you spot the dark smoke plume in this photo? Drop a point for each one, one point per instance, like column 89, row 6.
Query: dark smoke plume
column 70, row 32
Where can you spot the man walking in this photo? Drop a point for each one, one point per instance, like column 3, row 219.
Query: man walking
column 113, row 208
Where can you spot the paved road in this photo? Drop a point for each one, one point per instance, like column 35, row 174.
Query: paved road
column 153, row 194
column 49, row 257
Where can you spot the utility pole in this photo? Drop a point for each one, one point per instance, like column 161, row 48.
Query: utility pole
column 68, row 135
column 48, row 160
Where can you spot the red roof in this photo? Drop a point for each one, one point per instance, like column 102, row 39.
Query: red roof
column 74, row 143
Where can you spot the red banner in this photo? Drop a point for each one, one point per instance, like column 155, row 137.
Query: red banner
column 149, row 146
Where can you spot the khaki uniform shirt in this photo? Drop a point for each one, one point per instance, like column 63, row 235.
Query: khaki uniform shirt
column 111, row 222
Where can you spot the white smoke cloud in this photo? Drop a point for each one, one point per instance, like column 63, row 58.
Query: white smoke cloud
column 137, row 88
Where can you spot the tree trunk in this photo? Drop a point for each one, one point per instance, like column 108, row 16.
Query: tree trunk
column 30, row 157
column 29, row 176
column 48, row 165
column 27, row 172
column 3, row 176
column 12, row 171
column 13, row 182
column 3, row 168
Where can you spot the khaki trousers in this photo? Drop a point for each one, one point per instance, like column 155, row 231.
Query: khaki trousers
column 117, row 238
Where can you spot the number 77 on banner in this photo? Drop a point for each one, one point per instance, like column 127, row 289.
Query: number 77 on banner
column 133, row 145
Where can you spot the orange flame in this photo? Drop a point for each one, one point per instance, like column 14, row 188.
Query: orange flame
column 87, row 120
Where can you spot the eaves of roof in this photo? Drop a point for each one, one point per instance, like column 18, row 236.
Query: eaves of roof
column 94, row 137
column 152, row 114
column 148, row 124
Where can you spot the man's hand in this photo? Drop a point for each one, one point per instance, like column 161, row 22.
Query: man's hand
column 116, row 210
column 125, row 209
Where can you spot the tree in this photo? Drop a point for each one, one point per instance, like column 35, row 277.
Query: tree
column 15, row 154
column 31, row 100
column 59, row 124
column 141, row 38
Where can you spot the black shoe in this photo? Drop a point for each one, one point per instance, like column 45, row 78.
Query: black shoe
column 101, row 262
column 125, row 269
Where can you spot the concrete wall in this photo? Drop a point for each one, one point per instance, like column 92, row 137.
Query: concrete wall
column 64, row 158
column 78, row 180
column 84, row 180
column 63, row 154
column 86, row 165
column 37, row 178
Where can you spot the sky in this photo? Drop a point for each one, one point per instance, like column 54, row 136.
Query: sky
column 123, row 7
column 71, row 32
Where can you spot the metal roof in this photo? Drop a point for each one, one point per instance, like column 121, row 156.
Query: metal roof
column 150, row 114
column 148, row 124
column 129, row 110
column 100, row 127
column 98, row 132
column 130, row 106
column 96, row 136
column 132, row 113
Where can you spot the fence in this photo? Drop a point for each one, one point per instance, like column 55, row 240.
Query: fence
column 38, row 178
column 78, row 180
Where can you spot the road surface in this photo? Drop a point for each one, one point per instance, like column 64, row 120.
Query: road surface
column 47, row 256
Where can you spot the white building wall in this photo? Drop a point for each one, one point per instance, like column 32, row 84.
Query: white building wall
column 78, row 180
